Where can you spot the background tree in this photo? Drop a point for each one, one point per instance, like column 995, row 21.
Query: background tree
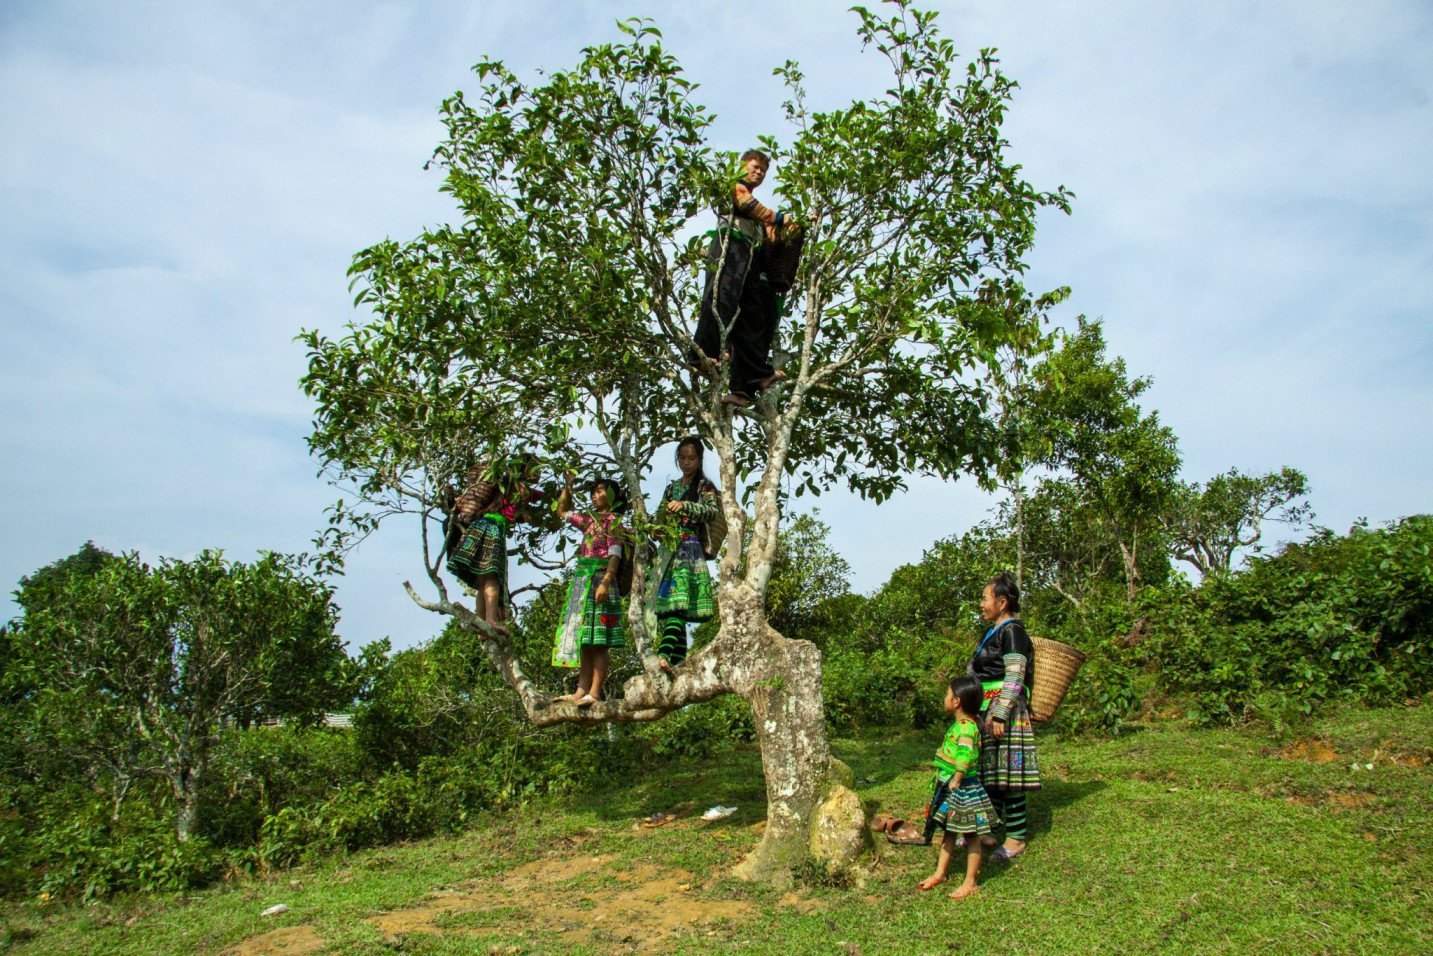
column 133, row 670
column 1208, row 525
column 1121, row 463
column 557, row 317
column 806, row 574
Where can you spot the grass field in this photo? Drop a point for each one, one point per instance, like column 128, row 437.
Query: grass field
column 1161, row 840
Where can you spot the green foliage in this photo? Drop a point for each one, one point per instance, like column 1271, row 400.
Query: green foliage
column 1208, row 525
column 129, row 672
column 71, row 847
column 1336, row 617
column 805, row 575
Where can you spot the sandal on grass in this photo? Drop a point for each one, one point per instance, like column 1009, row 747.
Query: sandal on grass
column 657, row 820
column 1002, row 855
column 907, row 836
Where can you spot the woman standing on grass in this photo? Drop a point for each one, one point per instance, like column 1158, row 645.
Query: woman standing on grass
column 1004, row 663
column 683, row 590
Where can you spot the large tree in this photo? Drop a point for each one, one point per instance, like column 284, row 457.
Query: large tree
column 132, row 671
column 556, row 315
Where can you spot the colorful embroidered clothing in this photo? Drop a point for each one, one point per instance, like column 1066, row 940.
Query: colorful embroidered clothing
column 599, row 535
column 1005, row 666
column 682, row 585
column 965, row 808
column 585, row 623
column 482, row 550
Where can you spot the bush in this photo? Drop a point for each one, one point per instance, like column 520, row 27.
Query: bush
column 82, row 853
column 1337, row 617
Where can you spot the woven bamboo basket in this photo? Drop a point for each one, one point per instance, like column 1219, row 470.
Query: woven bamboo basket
column 1056, row 665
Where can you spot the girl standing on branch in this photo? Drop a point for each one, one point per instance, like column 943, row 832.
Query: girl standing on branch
column 1005, row 666
column 683, row 585
column 486, row 511
column 592, row 619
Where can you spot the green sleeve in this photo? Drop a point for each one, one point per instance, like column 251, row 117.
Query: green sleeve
column 703, row 508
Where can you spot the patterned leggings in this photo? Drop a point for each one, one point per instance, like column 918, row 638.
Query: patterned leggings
column 1010, row 804
column 673, row 644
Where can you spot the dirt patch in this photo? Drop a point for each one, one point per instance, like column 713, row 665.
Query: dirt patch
column 802, row 904
column 1310, row 749
column 575, row 900
column 1343, row 799
column 289, row 941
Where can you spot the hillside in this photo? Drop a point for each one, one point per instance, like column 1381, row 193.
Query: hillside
column 1162, row 839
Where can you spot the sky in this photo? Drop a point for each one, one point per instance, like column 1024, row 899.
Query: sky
column 183, row 185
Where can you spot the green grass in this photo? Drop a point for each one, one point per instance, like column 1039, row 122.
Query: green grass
column 1161, row 840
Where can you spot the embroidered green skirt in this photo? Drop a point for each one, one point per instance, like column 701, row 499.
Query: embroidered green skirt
column 585, row 623
column 685, row 590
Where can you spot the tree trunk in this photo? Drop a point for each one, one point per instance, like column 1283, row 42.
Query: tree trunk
column 185, row 782
column 812, row 812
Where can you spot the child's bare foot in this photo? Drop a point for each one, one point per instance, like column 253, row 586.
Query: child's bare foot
column 580, row 693
column 587, row 701
column 771, row 379
column 964, row 890
column 988, row 840
column 931, row 882
column 666, row 666
column 499, row 628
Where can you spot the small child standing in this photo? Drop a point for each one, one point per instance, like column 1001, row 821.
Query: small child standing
column 591, row 623
column 959, row 805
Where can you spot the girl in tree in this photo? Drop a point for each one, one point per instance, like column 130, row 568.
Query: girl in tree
column 592, row 620
column 959, row 805
column 1004, row 664
column 683, row 584
column 485, row 512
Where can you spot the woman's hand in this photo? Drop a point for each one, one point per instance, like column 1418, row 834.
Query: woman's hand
column 675, row 507
column 996, row 728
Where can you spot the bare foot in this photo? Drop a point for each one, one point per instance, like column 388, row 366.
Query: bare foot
column 988, row 840
column 931, row 882
column 587, row 701
column 736, row 401
column 964, row 890
column 771, row 379
column 666, row 666
column 575, row 697
column 499, row 628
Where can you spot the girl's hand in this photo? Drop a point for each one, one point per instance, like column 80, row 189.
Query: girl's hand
column 601, row 595
column 674, row 507
column 996, row 728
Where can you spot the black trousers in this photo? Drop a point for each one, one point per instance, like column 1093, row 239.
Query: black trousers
column 741, row 300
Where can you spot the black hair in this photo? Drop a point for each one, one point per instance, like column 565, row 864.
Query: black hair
column 616, row 495
column 967, row 690
column 1003, row 586
column 694, row 490
column 756, row 154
